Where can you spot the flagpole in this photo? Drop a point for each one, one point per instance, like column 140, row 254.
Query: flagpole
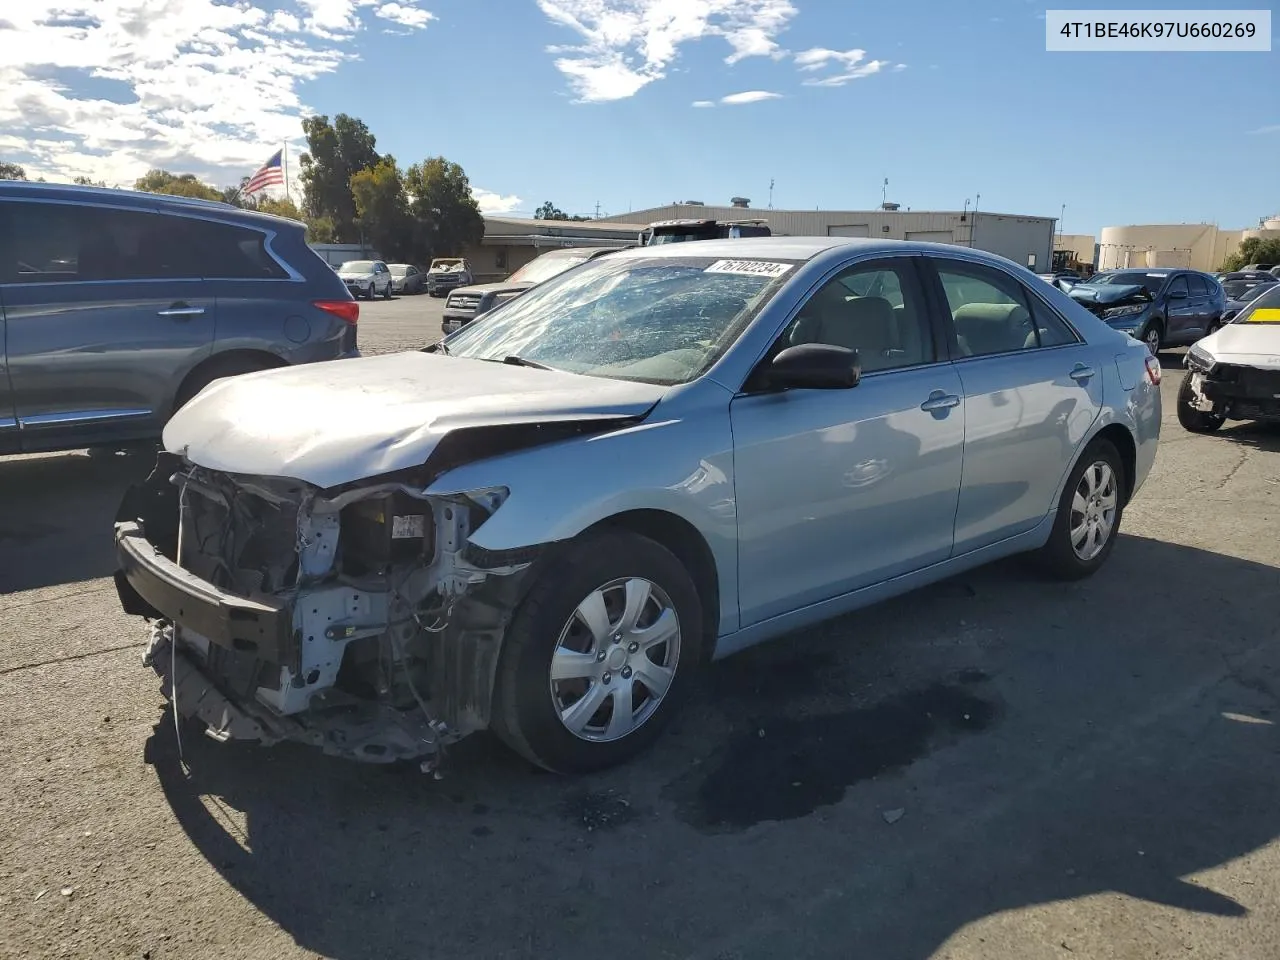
column 284, row 163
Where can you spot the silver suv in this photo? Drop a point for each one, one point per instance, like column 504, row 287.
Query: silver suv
column 119, row 307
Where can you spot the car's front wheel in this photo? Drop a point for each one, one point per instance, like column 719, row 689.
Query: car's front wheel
column 1190, row 415
column 1089, row 512
column 599, row 654
column 1153, row 338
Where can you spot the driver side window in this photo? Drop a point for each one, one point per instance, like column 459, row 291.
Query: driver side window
column 874, row 308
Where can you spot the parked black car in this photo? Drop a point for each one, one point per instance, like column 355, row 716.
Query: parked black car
column 118, row 307
column 1161, row 306
column 1242, row 288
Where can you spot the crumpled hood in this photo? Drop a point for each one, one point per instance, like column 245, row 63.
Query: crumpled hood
column 1245, row 344
column 1109, row 294
column 334, row 422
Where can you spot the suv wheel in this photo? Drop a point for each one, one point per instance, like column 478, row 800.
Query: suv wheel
column 1153, row 338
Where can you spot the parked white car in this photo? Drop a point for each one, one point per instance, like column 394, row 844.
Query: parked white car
column 366, row 278
column 1234, row 373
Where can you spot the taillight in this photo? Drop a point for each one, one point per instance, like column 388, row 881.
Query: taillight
column 347, row 310
column 1153, row 369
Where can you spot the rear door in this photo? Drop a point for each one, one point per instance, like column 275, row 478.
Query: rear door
column 1032, row 389
column 103, row 317
column 1202, row 298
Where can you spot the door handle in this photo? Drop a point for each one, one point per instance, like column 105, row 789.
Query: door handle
column 180, row 310
column 940, row 401
column 1081, row 373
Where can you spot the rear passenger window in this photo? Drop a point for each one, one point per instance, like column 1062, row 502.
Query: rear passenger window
column 1198, row 286
column 992, row 313
column 58, row 242
column 226, row 252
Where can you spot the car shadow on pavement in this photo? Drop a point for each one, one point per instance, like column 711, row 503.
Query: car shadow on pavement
column 1261, row 436
column 56, row 515
column 993, row 742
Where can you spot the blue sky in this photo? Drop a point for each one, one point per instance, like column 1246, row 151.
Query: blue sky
column 592, row 101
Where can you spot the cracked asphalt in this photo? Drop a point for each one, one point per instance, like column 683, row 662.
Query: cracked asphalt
column 995, row 767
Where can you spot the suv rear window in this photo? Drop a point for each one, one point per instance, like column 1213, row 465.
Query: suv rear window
column 61, row 242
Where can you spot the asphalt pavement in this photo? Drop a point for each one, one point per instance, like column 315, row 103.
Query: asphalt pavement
column 995, row 767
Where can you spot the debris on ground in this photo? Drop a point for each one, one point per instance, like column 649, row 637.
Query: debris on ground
column 894, row 815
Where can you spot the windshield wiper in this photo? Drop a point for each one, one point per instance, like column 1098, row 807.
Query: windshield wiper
column 517, row 361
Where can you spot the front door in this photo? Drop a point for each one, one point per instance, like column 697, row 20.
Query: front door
column 1032, row 389
column 101, row 322
column 8, row 419
column 840, row 489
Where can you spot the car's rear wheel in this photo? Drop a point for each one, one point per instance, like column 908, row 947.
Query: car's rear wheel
column 387, row 294
column 218, row 368
column 1089, row 511
column 1191, row 416
column 599, row 655
column 1153, row 338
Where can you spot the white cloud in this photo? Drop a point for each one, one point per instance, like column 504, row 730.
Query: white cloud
column 1269, row 128
column 627, row 44
column 201, row 86
column 704, row 103
column 847, row 62
column 405, row 15
column 491, row 202
column 750, row 96
column 899, row 67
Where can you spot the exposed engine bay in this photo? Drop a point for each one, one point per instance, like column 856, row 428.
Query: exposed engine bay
column 1233, row 391
column 358, row 619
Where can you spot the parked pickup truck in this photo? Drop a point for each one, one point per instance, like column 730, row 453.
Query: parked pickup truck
column 448, row 273
column 467, row 303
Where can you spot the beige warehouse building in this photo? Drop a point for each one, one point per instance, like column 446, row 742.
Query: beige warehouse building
column 1197, row 246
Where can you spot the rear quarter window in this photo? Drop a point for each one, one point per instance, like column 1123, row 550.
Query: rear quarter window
column 223, row 251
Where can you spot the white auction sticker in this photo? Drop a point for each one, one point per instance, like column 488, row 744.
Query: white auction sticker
column 750, row 268
column 1242, row 31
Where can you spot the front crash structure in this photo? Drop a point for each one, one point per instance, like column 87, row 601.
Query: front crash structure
column 359, row 620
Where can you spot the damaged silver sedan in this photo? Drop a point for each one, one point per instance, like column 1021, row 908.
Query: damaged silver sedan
column 543, row 525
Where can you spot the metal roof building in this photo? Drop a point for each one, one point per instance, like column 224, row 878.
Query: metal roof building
column 1026, row 240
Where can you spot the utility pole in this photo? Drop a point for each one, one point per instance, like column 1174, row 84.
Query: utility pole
column 974, row 225
column 884, row 193
column 597, row 209
column 771, row 193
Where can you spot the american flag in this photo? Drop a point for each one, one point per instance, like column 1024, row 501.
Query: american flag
column 270, row 172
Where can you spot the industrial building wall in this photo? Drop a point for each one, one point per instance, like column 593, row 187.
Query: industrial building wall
column 1026, row 241
column 1015, row 237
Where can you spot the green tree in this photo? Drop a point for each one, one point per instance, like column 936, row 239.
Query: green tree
column 279, row 207
column 447, row 216
column 335, row 153
column 176, row 185
column 1253, row 250
column 83, row 181
column 12, row 171
column 381, row 209
column 549, row 211
column 320, row 230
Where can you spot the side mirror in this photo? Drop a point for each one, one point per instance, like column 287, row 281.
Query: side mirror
column 815, row 366
column 1177, row 294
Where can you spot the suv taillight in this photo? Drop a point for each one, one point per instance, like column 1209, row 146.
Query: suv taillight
column 347, row 310
column 1153, row 369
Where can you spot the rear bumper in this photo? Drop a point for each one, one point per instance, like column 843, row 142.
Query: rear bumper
column 150, row 584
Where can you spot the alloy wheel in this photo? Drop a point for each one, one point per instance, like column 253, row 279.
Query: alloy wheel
column 1093, row 510
column 1152, row 340
column 615, row 659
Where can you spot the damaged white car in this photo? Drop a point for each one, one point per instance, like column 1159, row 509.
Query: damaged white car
column 1234, row 373
column 545, row 524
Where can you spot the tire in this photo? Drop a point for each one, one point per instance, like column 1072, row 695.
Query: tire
column 228, row 367
column 368, row 294
column 387, row 295
column 1153, row 337
column 1193, row 420
column 528, row 704
column 1060, row 557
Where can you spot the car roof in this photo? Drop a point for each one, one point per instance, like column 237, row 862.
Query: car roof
column 135, row 199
